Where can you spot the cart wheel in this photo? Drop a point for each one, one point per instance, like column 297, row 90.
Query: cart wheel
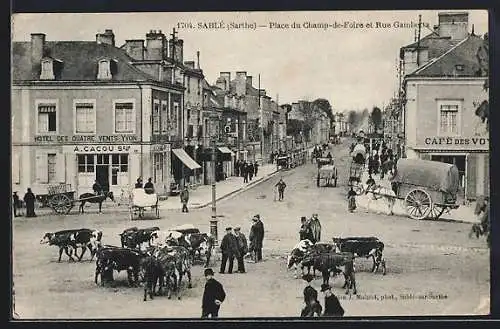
column 60, row 203
column 436, row 212
column 418, row 204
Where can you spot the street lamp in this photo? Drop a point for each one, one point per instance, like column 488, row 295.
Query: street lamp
column 213, row 218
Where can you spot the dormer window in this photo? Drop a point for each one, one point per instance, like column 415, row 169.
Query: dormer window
column 104, row 70
column 47, row 72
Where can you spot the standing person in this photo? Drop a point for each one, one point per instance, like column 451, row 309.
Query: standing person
column 256, row 168
column 351, row 200
column 332, row 304
column 149, row 187
column 184, row 199
column 15, row 203
column 236, row 168
column 376, row 163
column 315, row 228
column 229, row 248
column 256, row 237
column 242, row 248
column 312, row 306
column 213, row 295
column 29, row 200
column 244, row 169
column 251, row 170
column 305, row 232
column 281, row 189
column 138, row 184
column 97, row 188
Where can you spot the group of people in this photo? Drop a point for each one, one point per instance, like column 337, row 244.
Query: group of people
column 29, row 201
column 313, row 307
column 149, row 187
column 246, row 169
column 310, row 229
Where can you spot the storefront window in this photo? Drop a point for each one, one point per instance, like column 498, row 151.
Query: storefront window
column 124, row 163
column 85, row 163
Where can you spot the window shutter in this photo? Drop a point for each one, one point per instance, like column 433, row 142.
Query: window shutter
column 16, row 167
column 42, row 171
column 471, row 176
column 60, row 168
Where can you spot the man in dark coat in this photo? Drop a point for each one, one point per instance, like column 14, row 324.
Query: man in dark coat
column 97, row 188
column 213, row 296
column 305, row 232
column 250, row 170
column 138, row 184
column 236, row 168
column 332, row 304
column 281, row 189
column 256, row 168
column 229, row 248
column 29, row 200
column 244, row 172
column 184, row 199
column 312, row 306
column 256, row 237
column 149, row 188
column 15, row 203
column 242, row 248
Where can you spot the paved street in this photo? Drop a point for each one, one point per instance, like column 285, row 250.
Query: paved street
column 424, row 258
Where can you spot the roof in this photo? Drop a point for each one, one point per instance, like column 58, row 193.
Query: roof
column 435, row 44
column 434, row 175
column 463, row 54
column 250, row 91
column 80, row 61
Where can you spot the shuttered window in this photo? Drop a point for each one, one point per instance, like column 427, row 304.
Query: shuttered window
column 448, row 119
column 47, row 118
column 156, row 118
column 41, row 168
column 164, row 117
column 124, row 117
column 51, row 168
column 85, row 118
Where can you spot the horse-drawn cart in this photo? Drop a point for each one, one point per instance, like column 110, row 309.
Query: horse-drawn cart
column 140, row 200
column 60, row 198
column 327, row 172
column 428, row 188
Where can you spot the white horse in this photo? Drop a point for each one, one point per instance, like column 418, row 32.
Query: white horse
column 379, row 192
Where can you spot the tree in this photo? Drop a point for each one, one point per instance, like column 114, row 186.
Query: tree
column 324, row 105
column 353, row 118
column 376, row 118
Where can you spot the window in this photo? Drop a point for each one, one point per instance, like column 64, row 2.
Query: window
column 124, row 117
column 86, row 163
column 47, row 72
column 173, row 118
column 47, row 117
column 119, row 164
column 164, row 116
column 51, row 166
column 85, row 117
column 104, row 70
column 189, row 84
column 156, row 117
column 158, row 167
column 448, row 119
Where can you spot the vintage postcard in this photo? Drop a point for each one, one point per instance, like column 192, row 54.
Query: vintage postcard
column 250, row 164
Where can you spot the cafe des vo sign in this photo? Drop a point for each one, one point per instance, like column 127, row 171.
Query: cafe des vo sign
column 457, row 143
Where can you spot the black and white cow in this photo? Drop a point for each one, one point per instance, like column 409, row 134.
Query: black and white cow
column 363, row 247
column 118, row 259
column 304, row 248
column 70, row 240
column 134, row 237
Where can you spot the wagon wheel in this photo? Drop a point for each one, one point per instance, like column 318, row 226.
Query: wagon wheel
column 436, row 212
column 418, row 204
column 61, row 203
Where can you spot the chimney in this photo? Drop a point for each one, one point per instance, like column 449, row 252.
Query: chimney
column 221, row 83
column 453, row 25
column 249, row 80
column 198, row 59
column 176, row 49
column 37, row 45
column 189, row 64
column 135, row 49
column 227, row 78
column 155, row 45
column 241, row 82
column 108, row 37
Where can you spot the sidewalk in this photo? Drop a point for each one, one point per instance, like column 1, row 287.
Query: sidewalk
column 463, row 214
column 202, row 196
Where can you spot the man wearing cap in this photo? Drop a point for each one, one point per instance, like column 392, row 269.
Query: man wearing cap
column 312, row 306
column 256, row 237
column 242, row 248
column 229, row 248
column 213, row 296
column 332, row 304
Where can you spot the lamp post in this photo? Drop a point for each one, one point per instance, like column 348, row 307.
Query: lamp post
column 213, row 218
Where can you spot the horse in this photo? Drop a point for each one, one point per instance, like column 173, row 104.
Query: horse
column 92, row 198
column 379, row 192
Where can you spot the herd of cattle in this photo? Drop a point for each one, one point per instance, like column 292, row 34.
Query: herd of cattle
column 149, row 255
column 337, row 257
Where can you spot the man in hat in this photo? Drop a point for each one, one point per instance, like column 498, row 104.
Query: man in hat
column 242, row 248
column 29, row 200
column 213, row 295
column 305, row 230
column 312, row 306
column 256, row 237
column 332, row 304
column 315, row 226
column 281, row 189
column 184, row 199
column 229, row 248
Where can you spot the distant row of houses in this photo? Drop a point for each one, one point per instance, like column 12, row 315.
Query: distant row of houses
column 91, row 110
column 441, row 113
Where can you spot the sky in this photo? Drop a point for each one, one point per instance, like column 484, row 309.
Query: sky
column 353, row 67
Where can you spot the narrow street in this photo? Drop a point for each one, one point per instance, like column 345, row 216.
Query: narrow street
column 436, row 262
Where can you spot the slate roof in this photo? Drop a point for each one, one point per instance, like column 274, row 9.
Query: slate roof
column 435, row 44
column 463, row 54
column 80, row 61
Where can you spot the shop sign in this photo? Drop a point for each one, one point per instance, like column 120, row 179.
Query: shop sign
column 86, row 139
column 457, row 141
column 160, row 147
column 101, row 149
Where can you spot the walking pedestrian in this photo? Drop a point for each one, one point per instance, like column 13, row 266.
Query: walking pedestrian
column 351, row 200
column 256, row 168
column 332, row 303
column 242, row 248
column 15, row 203
column 315, row 226
column 251, row 170
column 281, row 189
column 213, row 295
column 29, row 200
column 229, row 248
column 244, row 169
column 256, row 237
column 184, row 199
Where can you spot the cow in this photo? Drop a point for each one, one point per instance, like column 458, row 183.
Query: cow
column 118, row 259
column 304, row 248
column 134, row 237
column 363, row 247
column 196, row 243
column 70, row 240
column 183, row 264
column 161, row 267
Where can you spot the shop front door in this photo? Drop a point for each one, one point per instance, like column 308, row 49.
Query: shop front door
column 102, row 176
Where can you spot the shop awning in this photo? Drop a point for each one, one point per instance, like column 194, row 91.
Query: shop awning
column 186, row 159
column 226, row 150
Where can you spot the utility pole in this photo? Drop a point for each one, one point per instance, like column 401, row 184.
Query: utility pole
column 418, row 40
column 213, row 219
column 261, row 113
